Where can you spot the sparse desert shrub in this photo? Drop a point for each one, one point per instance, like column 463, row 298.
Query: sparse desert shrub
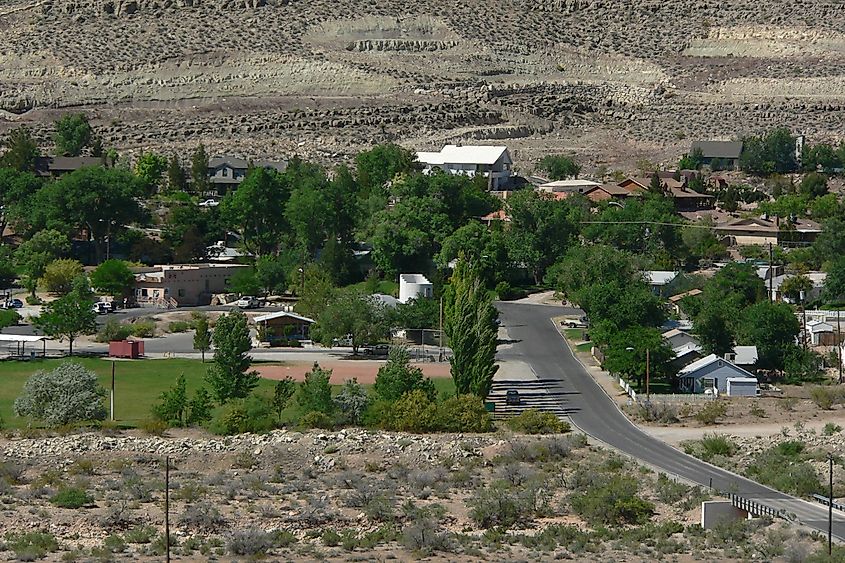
column 331, row 538
column 245, row 460
column 71, row 497
column 499, row 506
column 757, row 411
column 30, row 546
column 189, row 492
column 140, row 534
column 250, row 543
column 532, row 421
column 11, row 473
column 425, row 536
column 68, row 394
column 380, row 509
column 825, row 397
column 612, row 500
column 464, row 413
column 669, row 491
column 710, row 413
column 516, row 474
column 153, row 426
column 422, row 481
column 830, row 429
column 202, row 516
column 114, row 544
column 657, row 412
column 716, row 444
column 788, row 403
column 781, row 467
column 546, row 449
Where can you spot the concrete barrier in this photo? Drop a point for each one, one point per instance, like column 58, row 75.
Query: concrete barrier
column 714, row 512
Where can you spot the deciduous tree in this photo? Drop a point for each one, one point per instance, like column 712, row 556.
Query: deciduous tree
column 73, row 133
column 21, row 150
column 113, row 277
column 69, row 316
column 34, row 255
column 202, row 336
column 229, row 378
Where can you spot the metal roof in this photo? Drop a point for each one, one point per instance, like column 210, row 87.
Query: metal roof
column 21, row 338
column 718, row 149
column 470, row 154
column 280, row 314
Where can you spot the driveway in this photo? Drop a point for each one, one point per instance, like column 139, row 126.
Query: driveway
column 536, row 341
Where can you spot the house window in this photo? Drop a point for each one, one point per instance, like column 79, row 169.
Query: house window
column 708, row 383
column 225, row 172
column 181, row 293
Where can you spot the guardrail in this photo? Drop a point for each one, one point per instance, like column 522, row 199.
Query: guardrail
column 826, row 501
column 628, row 389
column 755, row 508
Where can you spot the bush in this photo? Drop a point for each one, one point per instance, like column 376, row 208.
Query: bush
column 153, row 426
column 316, row 419
column 425, row 536
column 716, row 444
column 179, row 326
column 500, row 506
column 612, row 501
column 250, row 542
column 112, row 331
column 68, row 394
column 352, row 401
column 825, row 397
column 71, row 497
column 59, row 275
column 464, row 413
column 29, row 546
column 253, row 414
column 532, row 421
column 315, row 393
column 143, row 328
column 657, row 412
column 397, row 377
column 413, row 412
column 202, row 516
column 781, row 467
column 711, row 412
column 830, row 429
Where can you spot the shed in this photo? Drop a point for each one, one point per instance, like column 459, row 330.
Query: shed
column 742, row 387
column 710, row 372
column 821, row 333
column 17, row 344
column 283, row 325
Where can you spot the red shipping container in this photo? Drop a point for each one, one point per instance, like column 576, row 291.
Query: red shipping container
column 126, row 349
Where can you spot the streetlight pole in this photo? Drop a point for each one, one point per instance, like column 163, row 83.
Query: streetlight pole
column 440, row 352
column 647, row 388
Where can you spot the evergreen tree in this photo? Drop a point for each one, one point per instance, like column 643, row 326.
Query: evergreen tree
column 315, row 393
column 471, row 329
column 199, row 408
column 199, row 170
column 281, row 395
column 176, row 174
column 173, row 403
column 229, row 378
column 22, row 150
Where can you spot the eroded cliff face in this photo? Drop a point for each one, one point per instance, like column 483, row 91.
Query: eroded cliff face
column 323, row 77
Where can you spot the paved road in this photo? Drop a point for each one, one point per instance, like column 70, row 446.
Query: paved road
column 537, row 342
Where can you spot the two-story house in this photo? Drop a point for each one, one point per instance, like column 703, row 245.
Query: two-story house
column 492, row 162
column 226, row 172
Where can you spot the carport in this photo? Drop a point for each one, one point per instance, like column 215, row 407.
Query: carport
column 17, row 344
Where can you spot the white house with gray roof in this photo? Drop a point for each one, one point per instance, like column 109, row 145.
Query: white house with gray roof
column 492, row 162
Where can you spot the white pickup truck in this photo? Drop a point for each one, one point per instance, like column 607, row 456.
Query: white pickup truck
column 580, row 322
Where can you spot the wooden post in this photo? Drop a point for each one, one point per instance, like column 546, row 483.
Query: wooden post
column 167, row 507
column 440, row 354
column 647, row 390
column 771, row 275
column 839, row 344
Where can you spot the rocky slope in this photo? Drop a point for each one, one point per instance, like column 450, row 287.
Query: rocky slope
column 322, row 78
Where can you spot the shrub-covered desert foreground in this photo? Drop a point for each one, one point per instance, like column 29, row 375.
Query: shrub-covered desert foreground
column 357, row 495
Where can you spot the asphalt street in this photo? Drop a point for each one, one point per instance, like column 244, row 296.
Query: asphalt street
column 537, row 342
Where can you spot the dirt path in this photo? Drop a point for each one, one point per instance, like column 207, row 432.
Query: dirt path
column 362, row 370
column 674, row 435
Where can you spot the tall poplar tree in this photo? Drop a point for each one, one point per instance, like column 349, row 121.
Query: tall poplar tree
column 471, row 330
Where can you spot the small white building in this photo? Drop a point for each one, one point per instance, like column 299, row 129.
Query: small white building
column 659, row 279
column 412, row 286
column 492, row 162
column 568, row 186
column 821, row 333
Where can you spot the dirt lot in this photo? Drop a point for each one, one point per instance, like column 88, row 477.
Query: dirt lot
column 363, row 370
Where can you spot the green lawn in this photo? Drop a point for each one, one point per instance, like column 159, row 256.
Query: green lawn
column 138, row 383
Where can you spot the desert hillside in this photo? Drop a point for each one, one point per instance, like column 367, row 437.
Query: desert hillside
column 610, row 81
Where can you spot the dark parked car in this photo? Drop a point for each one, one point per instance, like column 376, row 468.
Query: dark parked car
column 377, row 350
column 512, row 397
column 14, row 304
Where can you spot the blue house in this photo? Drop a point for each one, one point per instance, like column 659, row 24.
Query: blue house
column 714, row 372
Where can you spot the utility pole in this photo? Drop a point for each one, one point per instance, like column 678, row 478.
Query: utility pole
column 803, row 320
column 771, row 275
column 167, row 507
column 440, row 353
column 647, row 389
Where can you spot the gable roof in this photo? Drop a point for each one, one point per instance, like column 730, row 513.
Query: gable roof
column 745, row 355
column 706, row 361
column 230, row 161
column 569, row 185
column 659, row 277
column 469, row 154
column 281, row 314
column 47, row 164
column 718, row 149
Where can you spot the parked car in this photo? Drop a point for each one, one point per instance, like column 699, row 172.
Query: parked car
column 580, row 322
column 342, row 341
column 377, row 350
column 209, row 203
column 512, row 397
column 101, row 307
column 13, row 304
column 247, row 302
